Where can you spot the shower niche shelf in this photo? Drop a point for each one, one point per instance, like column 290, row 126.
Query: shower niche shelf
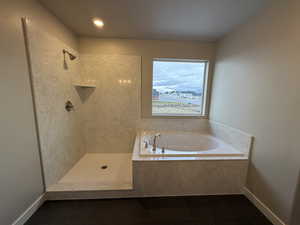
column 87, row 84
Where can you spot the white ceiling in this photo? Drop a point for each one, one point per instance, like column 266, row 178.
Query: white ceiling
column 155, row 19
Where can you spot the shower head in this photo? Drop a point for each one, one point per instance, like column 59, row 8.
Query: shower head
column 71, row 56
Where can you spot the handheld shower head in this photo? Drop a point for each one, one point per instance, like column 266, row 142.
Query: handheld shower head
column 71, row 56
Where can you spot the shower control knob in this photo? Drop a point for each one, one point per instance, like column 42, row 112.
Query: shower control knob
column 69, row 106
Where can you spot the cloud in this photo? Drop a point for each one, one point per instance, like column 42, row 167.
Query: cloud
column 179, row 76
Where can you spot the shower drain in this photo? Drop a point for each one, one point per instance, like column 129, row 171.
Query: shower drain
column 104, row 167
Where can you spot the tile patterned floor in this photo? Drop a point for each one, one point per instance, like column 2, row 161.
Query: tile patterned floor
column 204, row 210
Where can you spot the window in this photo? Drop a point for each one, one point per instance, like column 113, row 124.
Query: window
column 179, row 87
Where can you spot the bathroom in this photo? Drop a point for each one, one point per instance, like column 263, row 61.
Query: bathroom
column 160, row 112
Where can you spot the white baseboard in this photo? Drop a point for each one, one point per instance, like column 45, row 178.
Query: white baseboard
column 30, row 211
column 263, row 208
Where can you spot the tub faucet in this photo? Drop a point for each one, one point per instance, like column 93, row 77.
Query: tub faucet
column 155, row 141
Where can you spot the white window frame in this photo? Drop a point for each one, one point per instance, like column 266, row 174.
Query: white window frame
column 204, row 111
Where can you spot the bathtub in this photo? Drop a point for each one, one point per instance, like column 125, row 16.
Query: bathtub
column 185, row 144
column 213, row 161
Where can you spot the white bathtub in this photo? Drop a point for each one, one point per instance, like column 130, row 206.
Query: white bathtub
column 185, row 144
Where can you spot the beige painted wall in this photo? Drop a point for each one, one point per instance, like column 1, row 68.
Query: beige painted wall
column 20, row 173
column 148, row 49
column 256, row 89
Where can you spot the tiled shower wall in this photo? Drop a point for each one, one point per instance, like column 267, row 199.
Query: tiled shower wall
column 59, row 131
column 112, row 109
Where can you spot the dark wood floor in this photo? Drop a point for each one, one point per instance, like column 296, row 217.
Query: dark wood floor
column 208, row 210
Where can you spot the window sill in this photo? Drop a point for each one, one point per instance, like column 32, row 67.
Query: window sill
column 178, row 116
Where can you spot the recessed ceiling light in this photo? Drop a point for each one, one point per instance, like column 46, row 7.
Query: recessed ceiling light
column 98, row 22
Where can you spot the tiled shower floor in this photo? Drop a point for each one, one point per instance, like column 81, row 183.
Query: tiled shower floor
column 88, row 173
